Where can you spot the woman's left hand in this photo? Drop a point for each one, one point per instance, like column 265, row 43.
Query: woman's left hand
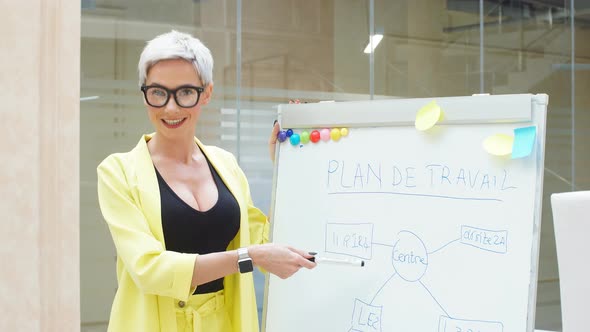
column 272, row 140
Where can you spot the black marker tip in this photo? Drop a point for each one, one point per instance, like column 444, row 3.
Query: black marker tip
column 362, row 263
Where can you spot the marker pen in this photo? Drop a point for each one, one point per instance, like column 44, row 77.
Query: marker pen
column 338, row 261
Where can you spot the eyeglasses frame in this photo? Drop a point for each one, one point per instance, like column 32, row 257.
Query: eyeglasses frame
column 172, row 92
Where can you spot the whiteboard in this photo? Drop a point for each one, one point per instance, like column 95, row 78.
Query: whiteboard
column 449, row 233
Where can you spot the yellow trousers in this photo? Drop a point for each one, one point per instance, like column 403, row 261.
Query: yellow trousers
column 203, row 313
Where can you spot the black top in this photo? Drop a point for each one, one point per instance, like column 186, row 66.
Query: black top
column 188, row 230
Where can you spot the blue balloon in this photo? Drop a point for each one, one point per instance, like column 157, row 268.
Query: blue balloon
column 295, row 139
column 289, row 132
column 282, row 136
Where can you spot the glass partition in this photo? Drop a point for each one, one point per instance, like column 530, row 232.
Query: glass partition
column 524, row 43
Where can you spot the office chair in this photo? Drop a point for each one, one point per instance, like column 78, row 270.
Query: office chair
column 571, row 217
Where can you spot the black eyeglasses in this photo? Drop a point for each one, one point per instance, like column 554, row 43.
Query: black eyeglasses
column 185, row 96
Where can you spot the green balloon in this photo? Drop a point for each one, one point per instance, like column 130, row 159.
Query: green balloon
column 304, row 137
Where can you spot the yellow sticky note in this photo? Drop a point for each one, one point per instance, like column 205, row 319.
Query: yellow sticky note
column 428, row 116
column 499, row 144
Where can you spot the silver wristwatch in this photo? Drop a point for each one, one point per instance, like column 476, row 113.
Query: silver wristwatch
column 244, row 261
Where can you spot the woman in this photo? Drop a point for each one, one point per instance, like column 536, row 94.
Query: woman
column 180, row 213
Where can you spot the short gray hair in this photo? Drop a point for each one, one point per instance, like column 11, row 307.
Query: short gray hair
column 176, row 45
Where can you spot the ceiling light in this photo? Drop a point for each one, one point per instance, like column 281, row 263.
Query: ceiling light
column 375, row 40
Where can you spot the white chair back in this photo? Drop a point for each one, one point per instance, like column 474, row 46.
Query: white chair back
column 571, row 218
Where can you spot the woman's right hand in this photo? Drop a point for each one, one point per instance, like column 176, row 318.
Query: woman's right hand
column 272, row 140
column 282, row 261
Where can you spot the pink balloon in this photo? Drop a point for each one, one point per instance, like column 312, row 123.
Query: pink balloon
column 325, row 134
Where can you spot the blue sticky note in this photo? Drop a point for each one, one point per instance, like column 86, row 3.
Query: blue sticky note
column 524, row 141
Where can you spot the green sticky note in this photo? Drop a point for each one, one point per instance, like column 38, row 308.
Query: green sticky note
column 524, row 141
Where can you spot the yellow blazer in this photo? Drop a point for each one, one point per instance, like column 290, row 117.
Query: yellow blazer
column 151, row 279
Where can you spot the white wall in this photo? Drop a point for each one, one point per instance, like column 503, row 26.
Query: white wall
column 39, row 248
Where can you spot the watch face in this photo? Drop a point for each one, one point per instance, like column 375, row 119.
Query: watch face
column 245, row 265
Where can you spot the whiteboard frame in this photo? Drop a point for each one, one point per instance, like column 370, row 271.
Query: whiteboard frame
column 476, row 109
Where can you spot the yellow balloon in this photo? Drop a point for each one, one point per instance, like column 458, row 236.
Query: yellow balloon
column 335, row 134
column 344, row 132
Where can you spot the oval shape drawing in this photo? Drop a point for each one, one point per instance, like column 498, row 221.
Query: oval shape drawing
column 409, row 257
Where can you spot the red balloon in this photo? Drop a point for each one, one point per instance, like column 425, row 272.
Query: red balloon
column 314, row 136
